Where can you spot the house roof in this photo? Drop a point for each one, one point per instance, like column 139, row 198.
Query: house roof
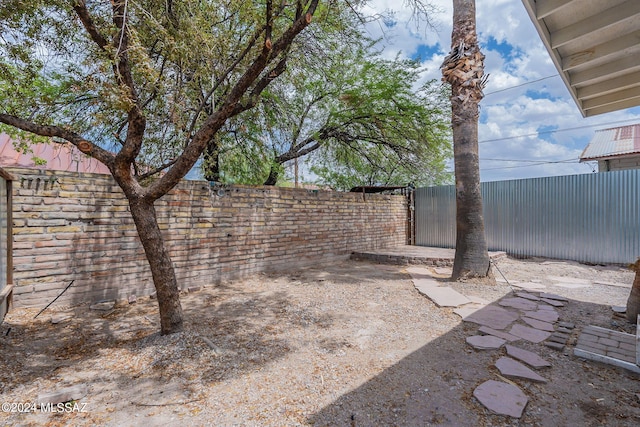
column 62, row 157
column 595, row 45
column 615, row 142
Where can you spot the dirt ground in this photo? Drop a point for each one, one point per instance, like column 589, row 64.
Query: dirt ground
column 348, row 344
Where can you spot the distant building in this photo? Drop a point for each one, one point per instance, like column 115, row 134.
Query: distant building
column 62, row 157
column 614, row 149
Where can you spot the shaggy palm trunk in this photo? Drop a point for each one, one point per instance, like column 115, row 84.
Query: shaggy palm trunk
column 164, row 278
column 633, row 302
column 464, row 70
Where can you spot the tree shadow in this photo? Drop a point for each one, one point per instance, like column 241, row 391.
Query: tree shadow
column 434, row 385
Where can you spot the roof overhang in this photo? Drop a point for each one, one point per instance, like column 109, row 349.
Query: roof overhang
column 595, row 45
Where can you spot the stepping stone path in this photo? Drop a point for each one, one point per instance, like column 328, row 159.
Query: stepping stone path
column 529, row 315
column 501, row 398
column 514, row 369
column 527, row 357
column 485, row 342
column 538, row 324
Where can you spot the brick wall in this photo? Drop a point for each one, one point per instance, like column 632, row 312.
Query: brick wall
column 71, row 226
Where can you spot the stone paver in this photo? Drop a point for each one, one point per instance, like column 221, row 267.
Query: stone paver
column 532, row 286
column 530, row 334
column 538, row 324
column 546, row 315
column 552, row 302
column 518, row 303
column 606, row 342
column 513, row 369
column 527, row 357
column 500, row 334
column 501, row 398
column 444, row 296
column 493, row 317
column 553, row 296
column 485, row 342
column 528, row 296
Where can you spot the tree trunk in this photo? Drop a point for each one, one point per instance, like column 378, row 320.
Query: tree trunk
column 273, row 176
column 164, row 278
column 633, row 303
column 211, row 167
column 464, row 70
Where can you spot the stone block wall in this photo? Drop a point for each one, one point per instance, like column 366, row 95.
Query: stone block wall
column 70, row 226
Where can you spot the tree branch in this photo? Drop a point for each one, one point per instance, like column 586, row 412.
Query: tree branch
column 82, row 144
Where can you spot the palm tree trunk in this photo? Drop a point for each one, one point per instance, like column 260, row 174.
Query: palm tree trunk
column 464, row 70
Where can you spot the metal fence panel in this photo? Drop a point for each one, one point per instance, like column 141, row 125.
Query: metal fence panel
column 588, row 218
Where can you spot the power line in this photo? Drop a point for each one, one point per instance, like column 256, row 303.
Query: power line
column 522, row 84
column 530, row 161
column 521, row 166
column 554, row 131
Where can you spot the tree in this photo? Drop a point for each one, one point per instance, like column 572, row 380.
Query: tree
column 143, row 87
column 633, row 302
column 358, row 115
column 463, row 69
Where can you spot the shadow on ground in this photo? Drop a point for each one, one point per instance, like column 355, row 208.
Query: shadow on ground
column 434, row 385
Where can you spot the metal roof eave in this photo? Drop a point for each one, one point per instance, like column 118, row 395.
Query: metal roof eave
column 595, row 46
column 545, row 36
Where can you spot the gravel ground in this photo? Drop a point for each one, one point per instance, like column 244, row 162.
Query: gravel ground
column 349, row 344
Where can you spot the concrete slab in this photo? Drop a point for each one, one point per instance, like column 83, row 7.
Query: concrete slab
column 501, row 398
column 513, row 369
column 445, row 271
column 485, row 342
column 530, row 334
column 418, row 272
column 567, row 279
column 418, row 255
column 468, row 309
column 527, row 357
column 519, row 303
column 616, row 284
column 538, row 324
column 530, row 286
column 493, row 317
column 444, row 296
column 546, row 315
column 478, row 300
column 424, row 284
column 572, row 285
column 500, row 334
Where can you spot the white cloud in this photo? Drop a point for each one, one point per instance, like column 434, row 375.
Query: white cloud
column 513, row 106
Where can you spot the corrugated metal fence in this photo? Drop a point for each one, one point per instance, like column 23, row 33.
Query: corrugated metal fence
column 589, row 218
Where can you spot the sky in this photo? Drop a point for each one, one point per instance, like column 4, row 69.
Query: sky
column 529, row 124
